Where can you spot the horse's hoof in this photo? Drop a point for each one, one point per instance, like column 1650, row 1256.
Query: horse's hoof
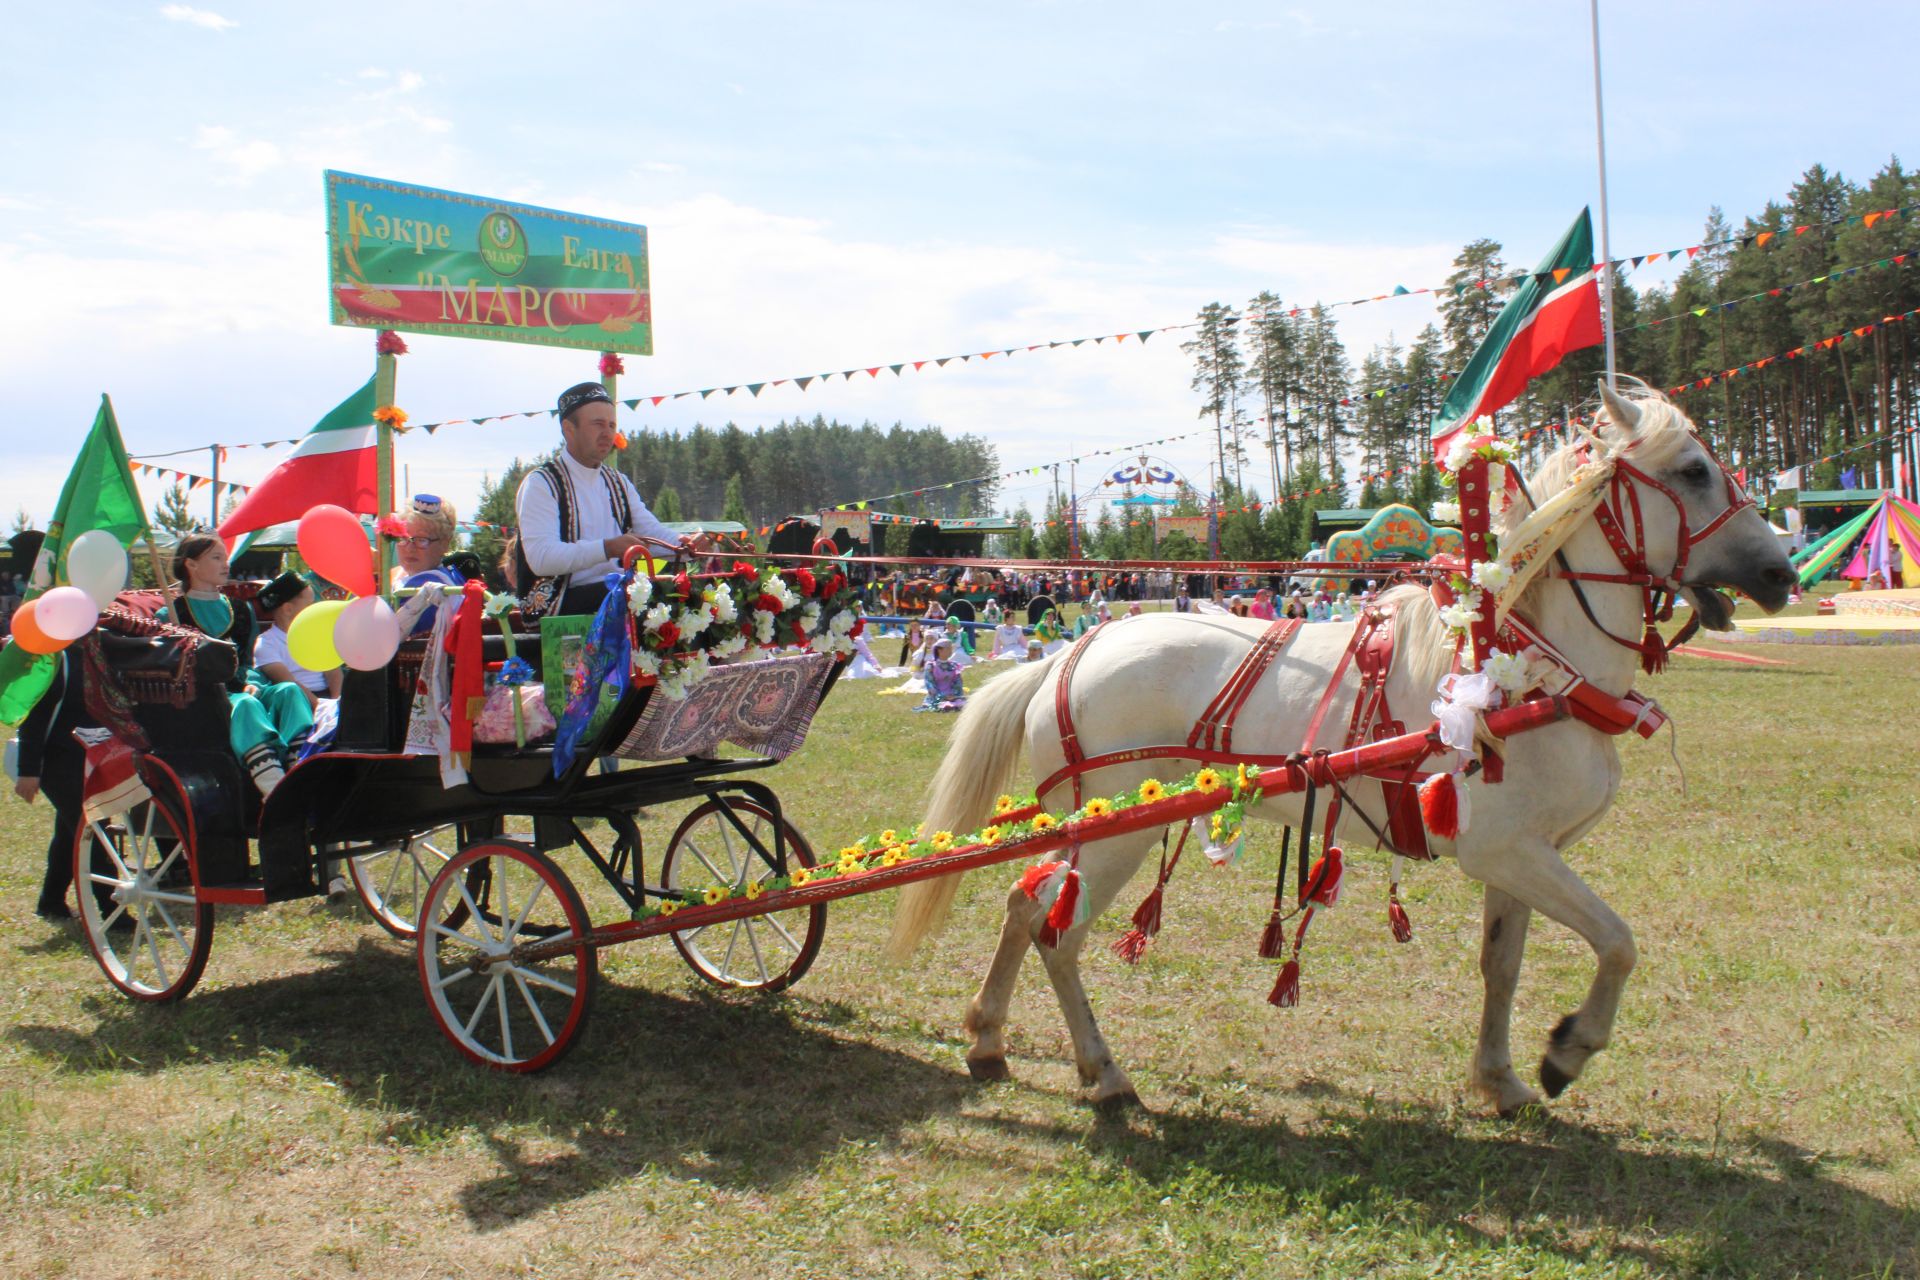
column 1513, row 1110
column 988, row 1070
column 1115, row 1104
column 1552, row 1078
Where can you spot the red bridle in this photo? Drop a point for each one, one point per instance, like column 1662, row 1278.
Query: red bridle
column 1657, row 592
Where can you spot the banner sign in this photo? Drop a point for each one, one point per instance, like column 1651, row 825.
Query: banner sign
column 427, row 261
column 858, row 524
column 1195, row 527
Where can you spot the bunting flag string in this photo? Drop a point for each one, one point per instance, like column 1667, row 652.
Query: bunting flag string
column 1824, row 344
column 864, row 503
column 188, row 478
column 1141, row 335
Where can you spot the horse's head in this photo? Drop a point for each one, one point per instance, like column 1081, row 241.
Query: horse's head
column 1696, row 525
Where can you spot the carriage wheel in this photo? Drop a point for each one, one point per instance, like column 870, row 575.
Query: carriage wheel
column 513, row 1015
column 755, row 953
column 150, row 935
column 392, row 881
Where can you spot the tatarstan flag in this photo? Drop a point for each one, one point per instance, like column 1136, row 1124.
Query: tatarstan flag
column 1555, row 310
column 335, row 462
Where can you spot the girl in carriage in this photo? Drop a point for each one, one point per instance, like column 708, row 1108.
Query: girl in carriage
column 268, row 723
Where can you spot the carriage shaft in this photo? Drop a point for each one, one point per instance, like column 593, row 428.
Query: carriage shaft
column 1317, row 770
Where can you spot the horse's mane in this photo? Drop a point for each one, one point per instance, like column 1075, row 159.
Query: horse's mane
column 1662, row 431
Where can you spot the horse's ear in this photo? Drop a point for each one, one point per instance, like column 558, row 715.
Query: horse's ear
column 1622, row 412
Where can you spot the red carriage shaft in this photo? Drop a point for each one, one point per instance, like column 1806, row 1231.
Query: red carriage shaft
column 1319, row 770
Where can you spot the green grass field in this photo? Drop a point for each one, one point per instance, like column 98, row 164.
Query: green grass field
column 1757, row 1115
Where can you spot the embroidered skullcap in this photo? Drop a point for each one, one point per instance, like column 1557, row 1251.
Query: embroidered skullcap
column 287, row 586
column 584, row 393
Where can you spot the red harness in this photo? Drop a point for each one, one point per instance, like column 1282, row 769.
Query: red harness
column 1657, row 593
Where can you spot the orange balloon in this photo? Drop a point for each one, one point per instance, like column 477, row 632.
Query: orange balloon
column 28, row 635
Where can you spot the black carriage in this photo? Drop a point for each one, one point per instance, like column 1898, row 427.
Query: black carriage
column 432, row 862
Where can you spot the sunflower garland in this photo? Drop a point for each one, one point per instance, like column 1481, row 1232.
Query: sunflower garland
column 896, row 846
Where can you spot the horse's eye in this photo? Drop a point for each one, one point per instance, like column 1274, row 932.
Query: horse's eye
column 1695, row 473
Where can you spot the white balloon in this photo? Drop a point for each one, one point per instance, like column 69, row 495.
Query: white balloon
column 97, row 564
column 66, row 613
column 366, row 634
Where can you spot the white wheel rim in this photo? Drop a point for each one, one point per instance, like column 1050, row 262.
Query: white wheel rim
column 392, row 882
column 157, row 953
column 511, row 1012
column 752, row 951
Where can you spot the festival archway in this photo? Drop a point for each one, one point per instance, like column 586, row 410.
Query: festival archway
column 1394, row 532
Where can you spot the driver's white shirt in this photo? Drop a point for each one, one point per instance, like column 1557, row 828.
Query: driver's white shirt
column 537, row 509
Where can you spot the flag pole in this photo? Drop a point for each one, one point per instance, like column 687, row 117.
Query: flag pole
column 386, row 372
column 1600, row 145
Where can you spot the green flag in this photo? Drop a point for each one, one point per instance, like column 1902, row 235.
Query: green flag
column 99, row 494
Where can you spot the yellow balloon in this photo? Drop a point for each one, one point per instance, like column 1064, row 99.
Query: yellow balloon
column 310, row 638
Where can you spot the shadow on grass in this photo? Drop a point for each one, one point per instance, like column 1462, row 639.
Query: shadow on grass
column 737, row 1091
column 753, row 1094
column 1536, row 1182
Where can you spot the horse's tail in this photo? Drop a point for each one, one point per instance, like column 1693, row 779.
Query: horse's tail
column 978, row 766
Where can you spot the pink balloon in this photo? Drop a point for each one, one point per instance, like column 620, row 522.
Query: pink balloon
column 366, row 635
column 334, row 546
column 66, row 613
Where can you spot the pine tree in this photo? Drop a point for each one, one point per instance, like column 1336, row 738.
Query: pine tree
column 1218, row 372
column 1473, row 297
column 171, row 512
column 735, row 508
column 1325, row 383
column 666, row 505
column 1273, row 373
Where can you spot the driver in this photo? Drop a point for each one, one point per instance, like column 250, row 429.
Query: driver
column 577, row 517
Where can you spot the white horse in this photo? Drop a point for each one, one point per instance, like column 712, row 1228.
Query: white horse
column 1144, row 682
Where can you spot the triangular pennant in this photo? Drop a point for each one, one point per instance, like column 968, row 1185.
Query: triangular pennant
column 1144, row 334
column 754, row 387
column 1692, row 249
column 918, row 365
column 709, row 391
column 1560, row 274
column 1762, row 238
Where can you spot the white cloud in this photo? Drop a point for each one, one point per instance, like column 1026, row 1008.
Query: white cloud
column 247, row 158
column 197, row 17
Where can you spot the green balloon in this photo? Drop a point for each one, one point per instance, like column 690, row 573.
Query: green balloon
column 310, row 638
column 24, row 678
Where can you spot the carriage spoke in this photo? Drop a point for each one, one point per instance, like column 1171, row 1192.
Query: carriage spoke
column 733, row 940
column 153, row 950
column 446, row 931
column 178, row 899
column 694, row 848
column 479, row 918
column 112, row 851
column 172, row 928
column 506, row 1024
column 97, row 878
column 452, row 978
column 773, row 923
column 480, row 1005
column 520, row 920
column 535, row 976
column 759, row 961
column 533, row 1006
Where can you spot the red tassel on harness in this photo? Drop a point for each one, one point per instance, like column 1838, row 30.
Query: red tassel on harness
column 1273, row 939
column 1146, row 925
column 1286, row 991
column 1653, row 654
column 1323, row 883
column 1440, row 805
column 1065, row 912
column 1397, row 920
column 1034, row 878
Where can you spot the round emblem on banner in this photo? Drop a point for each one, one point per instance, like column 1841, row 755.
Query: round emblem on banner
column 503, row 244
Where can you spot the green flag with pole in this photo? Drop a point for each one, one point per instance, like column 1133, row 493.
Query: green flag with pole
column 99, row 494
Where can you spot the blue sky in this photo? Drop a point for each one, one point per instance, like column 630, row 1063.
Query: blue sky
column 838, row 185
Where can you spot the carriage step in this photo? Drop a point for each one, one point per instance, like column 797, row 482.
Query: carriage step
column 245, row 893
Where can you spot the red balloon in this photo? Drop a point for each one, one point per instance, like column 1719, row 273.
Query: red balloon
column 334, row 546
column 28, row 635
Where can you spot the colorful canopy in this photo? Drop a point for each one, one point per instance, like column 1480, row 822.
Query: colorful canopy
column 1871, row 536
